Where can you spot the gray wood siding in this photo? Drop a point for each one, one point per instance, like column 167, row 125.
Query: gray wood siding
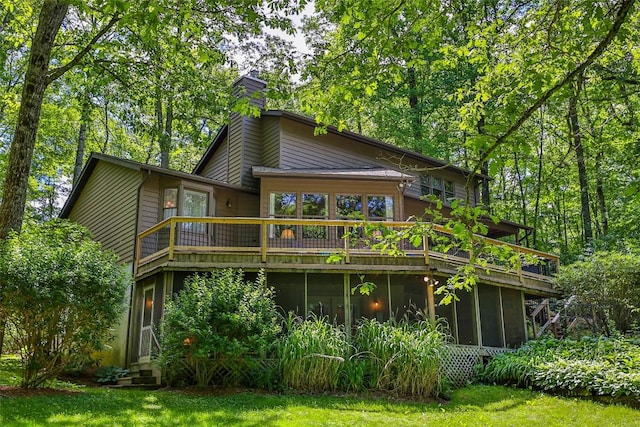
column 216, row 168
column 301, row 149
column 235, row 149
column 107, row 207
column 149, row 203
column 271, row 142
column 252, row 150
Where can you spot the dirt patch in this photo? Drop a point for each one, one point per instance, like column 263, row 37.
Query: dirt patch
column 11, row 391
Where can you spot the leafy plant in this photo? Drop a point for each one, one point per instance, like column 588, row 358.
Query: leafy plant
column 110, row 374
column 218, row 319
column 312, row 355
column 590, row 366
column 61, row 294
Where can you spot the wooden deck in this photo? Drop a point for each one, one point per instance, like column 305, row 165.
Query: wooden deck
column 189, row 243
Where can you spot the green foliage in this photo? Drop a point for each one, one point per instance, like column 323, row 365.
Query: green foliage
column 607, row 284
column 216, row 319
column 60, row 293
column 312, row 354
column 403, row 358
column 110, row 374
column 593, row 367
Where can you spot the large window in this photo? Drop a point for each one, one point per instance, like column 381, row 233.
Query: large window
column 437, row 187
column 348, row 206
column 283, row 205
column 195, row 203
column 170, row 203
column 380, row 208
column 314, row 206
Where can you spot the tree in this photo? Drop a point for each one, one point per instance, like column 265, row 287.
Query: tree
column 60, row 293
column 77, row 44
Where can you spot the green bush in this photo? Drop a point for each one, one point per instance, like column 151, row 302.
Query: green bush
column 218, row 321
column 403, row 358
column 60, row 294
column 595, row 367
column 312, row 355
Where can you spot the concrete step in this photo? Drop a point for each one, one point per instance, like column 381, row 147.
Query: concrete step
column 144, row 380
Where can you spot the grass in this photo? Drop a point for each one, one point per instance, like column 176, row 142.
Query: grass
column 471, row 406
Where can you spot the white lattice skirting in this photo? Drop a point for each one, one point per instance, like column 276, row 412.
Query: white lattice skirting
column 458, row 361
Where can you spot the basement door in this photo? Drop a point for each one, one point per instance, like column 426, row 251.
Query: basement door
column 147, row 337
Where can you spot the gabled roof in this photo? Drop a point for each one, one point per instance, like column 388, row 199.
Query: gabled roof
column 220, row 136
column 94, row 158
column 333, row 130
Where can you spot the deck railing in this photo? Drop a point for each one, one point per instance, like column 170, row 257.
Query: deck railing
column 267, row 236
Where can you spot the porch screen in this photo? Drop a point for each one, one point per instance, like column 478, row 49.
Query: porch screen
column 512, row 309
column 325, row 296
column 466, row 316
column 408, row 295
column 490, row 317
column 445, row 315
column 373, row 306
column 289, row 290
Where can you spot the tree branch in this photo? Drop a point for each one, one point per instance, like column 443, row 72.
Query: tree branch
column 604, row 43
column 57, row 72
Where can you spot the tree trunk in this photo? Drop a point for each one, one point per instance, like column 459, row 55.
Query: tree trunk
column 14, row 197
column 414, row 105
column 523, row 201
column 82, row 138
column 484, row 169
column 602, row 207
column 575, row 139
column 536, row 210
column 24, row 138
column 165, row 137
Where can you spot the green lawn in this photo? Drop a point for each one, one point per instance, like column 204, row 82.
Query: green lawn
column 471, row 406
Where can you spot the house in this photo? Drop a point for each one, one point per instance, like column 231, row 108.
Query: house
column 269, row 194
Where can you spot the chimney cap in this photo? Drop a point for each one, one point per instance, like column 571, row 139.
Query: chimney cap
column 252, row 75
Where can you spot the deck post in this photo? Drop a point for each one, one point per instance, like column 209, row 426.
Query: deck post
column 172, row 237
column 263, row 243
column 425, row 245
column 430, row 298
column 345, row 239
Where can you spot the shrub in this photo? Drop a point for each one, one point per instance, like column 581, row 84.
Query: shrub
column 312, row 355
column 217, row 320
column 607, row 287
column 596, row 367
column 403, row 358
column 60, row 295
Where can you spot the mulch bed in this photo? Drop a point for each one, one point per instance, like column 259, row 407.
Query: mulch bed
column 12, row 391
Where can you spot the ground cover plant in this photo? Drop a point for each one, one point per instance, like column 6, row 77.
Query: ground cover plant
column 600, row 367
